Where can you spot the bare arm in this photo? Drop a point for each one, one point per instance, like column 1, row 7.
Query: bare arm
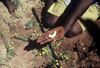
column 76, row 13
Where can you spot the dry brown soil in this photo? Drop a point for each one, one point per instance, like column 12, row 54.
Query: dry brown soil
column 84, row 48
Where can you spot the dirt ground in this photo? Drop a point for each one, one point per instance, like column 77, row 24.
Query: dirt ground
column 83, row 49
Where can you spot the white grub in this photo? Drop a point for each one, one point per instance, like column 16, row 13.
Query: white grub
column 53, row 35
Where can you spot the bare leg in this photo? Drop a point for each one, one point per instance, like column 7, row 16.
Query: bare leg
column 48, row 19
column 75, row 30
column 11, row 7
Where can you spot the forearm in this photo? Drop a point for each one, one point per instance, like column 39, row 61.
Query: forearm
column 76, row 13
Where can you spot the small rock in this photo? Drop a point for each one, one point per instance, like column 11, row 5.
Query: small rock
column 82, row 43
column 83, row 48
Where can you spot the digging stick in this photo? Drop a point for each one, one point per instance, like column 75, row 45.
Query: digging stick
column 36, row 16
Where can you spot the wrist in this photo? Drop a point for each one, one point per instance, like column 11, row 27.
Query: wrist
column 64, row 28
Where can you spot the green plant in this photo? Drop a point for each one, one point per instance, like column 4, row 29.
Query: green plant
column 45, row 51
column 10, row 49
column 16, row 2
column 56, row 44
column 1, row 34
column 21, row 37
column 30, row 24
column 9, row 46
column 35, row 33
column 1, row 62
column 65, row 54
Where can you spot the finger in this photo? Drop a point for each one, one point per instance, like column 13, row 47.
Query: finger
column 45, row 36
column 37, row 37
column 51, row 32
column 45, row 33
column 45, row 41
column 42, row 39
column 48, row 32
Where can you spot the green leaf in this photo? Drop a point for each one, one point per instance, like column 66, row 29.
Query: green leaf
column 8, row 55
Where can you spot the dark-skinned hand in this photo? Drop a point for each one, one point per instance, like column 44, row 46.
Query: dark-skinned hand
column 60, row 33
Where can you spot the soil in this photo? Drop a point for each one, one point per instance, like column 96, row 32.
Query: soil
column 83, row 48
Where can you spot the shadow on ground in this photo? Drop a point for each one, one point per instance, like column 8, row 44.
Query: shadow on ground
column 32, row 45
column 94, row 31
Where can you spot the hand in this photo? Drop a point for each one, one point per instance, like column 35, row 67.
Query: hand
column 60, row 33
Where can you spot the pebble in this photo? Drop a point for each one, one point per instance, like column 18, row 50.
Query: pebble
column 83, row 48
column 82, row 43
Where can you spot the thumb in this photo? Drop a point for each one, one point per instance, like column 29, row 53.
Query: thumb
column 51, row 31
